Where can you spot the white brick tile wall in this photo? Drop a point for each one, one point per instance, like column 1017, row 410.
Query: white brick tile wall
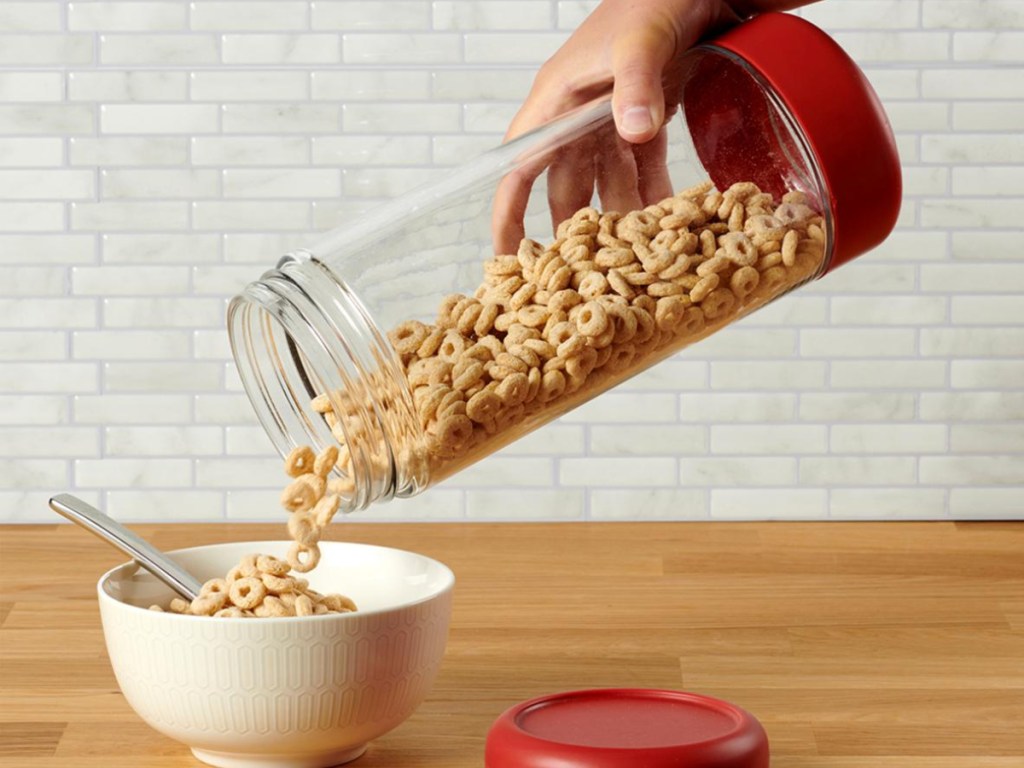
column 155, row 155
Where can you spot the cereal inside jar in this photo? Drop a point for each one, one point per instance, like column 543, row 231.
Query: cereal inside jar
column 447, row 323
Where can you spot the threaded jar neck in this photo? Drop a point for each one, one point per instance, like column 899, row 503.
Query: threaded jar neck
column 299, row 332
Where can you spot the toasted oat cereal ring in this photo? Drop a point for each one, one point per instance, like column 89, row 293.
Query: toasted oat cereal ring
column 339, row 603
column 454, row 431
column 407, row 336
column 321, row 403
column 465, row 376
column 621, row 358
column 769, row 246
column 303, row 558
column 302, row 528
column 678, row 268
column 231, row 612
column 718, row 303
column 466, row 314
column 247, row 592
column 770, row 260
column 524, row 353
column 592, row 319
column 763, row 226
column 593, row 285
column 575, row 253
column 555, row 319
column 614, row 257
column 277, row 585
column 714, row 265
column 657, row 260
column 624, row 322
column 512, row 362
column 620, row 284
column 789, row 244
column 427, row 403
column 209, row 604
column 646, row 222
column 178, row 605
column 272, row 565
column 692, row 322
column 214, row 587
column 325, row 510
column 300, row 495
column 156, row 608
column 739, row 249
column 299, row 461
column 513, row 389
column 736, row 217
column 528, row 252
column 522, row 295
column 488, row 314
column 744, row 280
column 533, row 380
column 559, row 280
column 564, row 300
column 483, row 406
column 771, row 279
column 533, row 316
column 325, row 461
column 644, row 324
column 318, row 483
column 272, row 607
column 303, row 606
column 552, row 386
column 794, row 214
column 670, row 312
column 661, row 289
column 645, row 302
column 571, row 346
column 502, row 265
column 543, row 349
column 450, row 403
column 453, row 345
column 705, row 285
column 640, row 278
column 582, row 365
column 708, row 243
column 602, row 339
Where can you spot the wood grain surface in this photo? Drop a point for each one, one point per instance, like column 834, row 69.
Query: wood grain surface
column 857, row 645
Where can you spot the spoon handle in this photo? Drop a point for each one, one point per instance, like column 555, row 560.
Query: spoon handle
column 111, row 531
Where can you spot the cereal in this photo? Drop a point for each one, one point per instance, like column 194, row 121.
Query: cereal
column 547, row 326
column 299, row 461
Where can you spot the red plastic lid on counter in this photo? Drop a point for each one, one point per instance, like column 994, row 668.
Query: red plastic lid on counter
column 626, row 728
column 737, row 134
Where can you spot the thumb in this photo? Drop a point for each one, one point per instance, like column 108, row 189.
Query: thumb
column 638, row 98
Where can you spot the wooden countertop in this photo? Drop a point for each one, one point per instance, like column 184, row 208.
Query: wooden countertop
column 857, row 645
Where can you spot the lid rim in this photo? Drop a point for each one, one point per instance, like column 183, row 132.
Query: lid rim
column 510, row 745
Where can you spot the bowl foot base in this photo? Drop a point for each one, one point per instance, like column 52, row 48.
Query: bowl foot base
column 249, row 760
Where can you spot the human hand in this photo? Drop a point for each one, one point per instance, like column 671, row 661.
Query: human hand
column 632, row 47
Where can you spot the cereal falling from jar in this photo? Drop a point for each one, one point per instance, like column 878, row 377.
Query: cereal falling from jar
column 263, row 586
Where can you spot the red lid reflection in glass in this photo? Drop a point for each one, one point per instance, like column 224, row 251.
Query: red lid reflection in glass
column 626, row 728
column 737, row 132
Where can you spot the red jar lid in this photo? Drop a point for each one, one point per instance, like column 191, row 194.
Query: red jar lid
column 737, row 135
column 626, row 728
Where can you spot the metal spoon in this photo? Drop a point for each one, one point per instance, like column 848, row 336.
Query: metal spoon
column 144, row 553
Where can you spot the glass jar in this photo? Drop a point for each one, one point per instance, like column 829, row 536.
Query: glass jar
column 458, row 317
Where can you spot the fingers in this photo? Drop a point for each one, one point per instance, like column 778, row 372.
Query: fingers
column 617, row 182
column 653, row 179
column 638, row 60
column 571, row 180
column 510, row 201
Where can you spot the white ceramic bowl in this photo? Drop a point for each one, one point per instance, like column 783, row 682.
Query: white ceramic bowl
column 281, row 692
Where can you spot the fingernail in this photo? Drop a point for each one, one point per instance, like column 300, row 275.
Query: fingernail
column 637, row 120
